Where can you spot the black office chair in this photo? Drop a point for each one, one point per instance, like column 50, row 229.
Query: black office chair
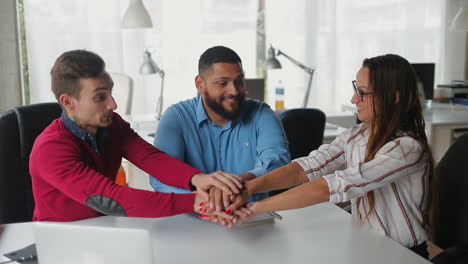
column 19, row 127
column 451, row 230
column 304, row 129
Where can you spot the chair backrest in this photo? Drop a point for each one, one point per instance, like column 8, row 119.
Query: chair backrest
column 452, row 183
column 19, row 127
column 304, row 129
column 255, row 89
column 122, row 92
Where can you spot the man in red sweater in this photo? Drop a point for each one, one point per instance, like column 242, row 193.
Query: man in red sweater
column 74, row 161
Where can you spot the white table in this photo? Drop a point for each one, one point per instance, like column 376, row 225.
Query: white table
column 442, row 121
column 319, row 234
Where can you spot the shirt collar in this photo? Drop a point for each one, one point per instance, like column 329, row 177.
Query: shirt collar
column 96, row 142
column 200, row 112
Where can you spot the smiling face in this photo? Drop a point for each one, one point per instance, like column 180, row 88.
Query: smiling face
column 223, row 91
column 364, row 106
column 94, row 106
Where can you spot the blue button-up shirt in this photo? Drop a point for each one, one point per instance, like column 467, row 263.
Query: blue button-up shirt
column 255, row 142
column 95, row 142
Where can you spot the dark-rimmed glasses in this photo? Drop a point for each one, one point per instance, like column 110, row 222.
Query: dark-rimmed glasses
column 359, row 92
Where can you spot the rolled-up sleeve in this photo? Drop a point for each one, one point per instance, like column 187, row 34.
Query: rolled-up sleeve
column 272, row 145
column 326, row 159
column 395, row 159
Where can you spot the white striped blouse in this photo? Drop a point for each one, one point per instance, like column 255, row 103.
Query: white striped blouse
column 397, row 175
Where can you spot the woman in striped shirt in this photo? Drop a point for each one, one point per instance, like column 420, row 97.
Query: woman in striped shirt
column 383, row 166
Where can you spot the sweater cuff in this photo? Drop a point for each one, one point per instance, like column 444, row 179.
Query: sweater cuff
column 188, row 181
column 183, row 203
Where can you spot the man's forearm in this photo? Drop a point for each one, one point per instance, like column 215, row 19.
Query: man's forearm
column 247, row 176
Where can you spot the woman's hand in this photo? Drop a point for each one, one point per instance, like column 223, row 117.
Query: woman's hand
column 201, row 205
column 238, row 201
column 246, row 213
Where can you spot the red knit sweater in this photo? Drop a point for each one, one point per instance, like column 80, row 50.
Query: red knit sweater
column 68, row 177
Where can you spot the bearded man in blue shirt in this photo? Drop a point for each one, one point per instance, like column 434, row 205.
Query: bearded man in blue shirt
column 221, row 130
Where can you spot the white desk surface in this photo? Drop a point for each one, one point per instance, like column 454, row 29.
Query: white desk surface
column 438, row 113
column 445, row 114
column 442, row 120
column 319, row 234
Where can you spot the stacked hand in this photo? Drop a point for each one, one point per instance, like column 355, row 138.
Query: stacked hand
column 217, row 184
column 227, row 182
column 224, row 208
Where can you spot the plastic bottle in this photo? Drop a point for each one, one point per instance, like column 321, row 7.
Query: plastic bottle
column 279, row 96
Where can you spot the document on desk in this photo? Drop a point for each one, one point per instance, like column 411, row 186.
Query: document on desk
column 266, row 218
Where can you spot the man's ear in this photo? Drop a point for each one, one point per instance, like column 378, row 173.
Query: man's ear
column 67, row 102
column 397, row 99
column 200, row 84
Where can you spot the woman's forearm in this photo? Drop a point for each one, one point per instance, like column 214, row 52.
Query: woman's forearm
column 307, row 194
column 284, row 177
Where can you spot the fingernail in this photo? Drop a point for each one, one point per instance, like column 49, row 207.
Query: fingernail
column 201, row 209
column 205, row 210
column 201, row 204
column 228, row 212
column 201, row 216
column 226, row 204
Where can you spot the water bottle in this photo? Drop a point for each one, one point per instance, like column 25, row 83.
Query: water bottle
column 279, row 96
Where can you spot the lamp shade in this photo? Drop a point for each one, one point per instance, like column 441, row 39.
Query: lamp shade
column 148, row 66
column 271, row 62
column 136, row 16
column 460, row 22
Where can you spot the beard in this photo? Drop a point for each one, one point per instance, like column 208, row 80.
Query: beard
column 218, row 108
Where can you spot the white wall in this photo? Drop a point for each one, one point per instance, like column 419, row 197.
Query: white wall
column 10, row 74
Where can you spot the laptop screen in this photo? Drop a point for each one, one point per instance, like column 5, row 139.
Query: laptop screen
column 74, row 243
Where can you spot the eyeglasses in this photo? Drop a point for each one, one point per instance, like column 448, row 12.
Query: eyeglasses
column 359, row 92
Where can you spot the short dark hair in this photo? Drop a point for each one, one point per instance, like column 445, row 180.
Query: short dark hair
column 70, row 67
column 217, row 54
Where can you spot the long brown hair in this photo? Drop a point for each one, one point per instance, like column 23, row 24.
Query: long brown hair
column 395, row 100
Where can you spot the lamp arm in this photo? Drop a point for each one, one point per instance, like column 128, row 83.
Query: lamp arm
column 310, row 71
column 309, row 86
column 300, row 65
column 159, row 104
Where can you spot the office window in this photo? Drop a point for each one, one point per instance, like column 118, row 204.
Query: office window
column 333, row 36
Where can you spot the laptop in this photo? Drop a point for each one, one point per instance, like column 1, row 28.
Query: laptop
column 72, row 244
